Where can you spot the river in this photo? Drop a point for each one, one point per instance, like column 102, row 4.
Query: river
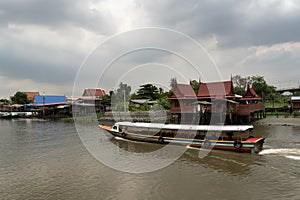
column 47, row 160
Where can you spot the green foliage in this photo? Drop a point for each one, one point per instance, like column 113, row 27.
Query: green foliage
column 261, row 87
column 4, row 101
column 240, row 82
column 297, row 94
column 239, row 90
column 145, row 107
column 265, row 91
column 195, row 86
column 123, row 89
column 164, row 103
column 148, row 91
column 20, row 98
column 172, row 83
column 119, row 95
column 106, row 99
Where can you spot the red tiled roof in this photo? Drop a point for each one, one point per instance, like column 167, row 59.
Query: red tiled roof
column 182, row 91
column 217, row 90
column 97, row 92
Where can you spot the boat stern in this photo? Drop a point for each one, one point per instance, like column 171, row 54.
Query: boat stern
column 256, row 143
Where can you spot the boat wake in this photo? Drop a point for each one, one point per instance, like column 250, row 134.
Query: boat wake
column 120, row 138
column 293, row 153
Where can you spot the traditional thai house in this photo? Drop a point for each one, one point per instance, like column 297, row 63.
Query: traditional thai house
column 93, row 92
column 251, row 104
column 89, row 102
column 183, row 103
column 215, row 100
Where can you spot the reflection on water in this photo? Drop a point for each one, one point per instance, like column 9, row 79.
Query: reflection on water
column 46, row 160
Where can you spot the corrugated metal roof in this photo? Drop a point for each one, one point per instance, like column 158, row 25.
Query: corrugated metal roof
column 295, row 98
column 47, row 99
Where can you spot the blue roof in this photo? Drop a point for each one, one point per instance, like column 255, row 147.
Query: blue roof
column 49, row 99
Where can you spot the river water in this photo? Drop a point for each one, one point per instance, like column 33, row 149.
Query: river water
column 47, row 160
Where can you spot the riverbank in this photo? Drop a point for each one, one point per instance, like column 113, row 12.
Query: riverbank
column 279, row 121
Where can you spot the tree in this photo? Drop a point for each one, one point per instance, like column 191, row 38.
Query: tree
column 257, row 82
column 120, row 97
column 106, row 99
column 164, row 103
column 240, row 84
column 4, row 101
column 262, row 88
column 20, row 98
column 195, row 85
column 148, row 91
column 172, row 83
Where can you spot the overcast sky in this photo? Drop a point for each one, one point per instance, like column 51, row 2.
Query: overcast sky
column 43, row 43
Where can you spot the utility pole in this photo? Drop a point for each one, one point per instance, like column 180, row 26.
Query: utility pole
column 43, row 105
column 124, row 100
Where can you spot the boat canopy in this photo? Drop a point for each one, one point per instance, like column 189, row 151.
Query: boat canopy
column 223, row 128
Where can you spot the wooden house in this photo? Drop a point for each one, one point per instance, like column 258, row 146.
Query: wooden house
column 183, row 102
column 215, row 98
column 219, row 94
column 250, row 103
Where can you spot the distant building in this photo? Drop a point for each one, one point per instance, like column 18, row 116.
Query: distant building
column 89, row 102
column 139, row 102
column 93, row 92
column 295, row 103
column 49, row 100
column 51, row 105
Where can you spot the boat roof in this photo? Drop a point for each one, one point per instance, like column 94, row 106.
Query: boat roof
column 224, row 128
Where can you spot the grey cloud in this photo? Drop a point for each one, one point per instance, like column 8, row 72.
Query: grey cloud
column 233, row 22
column 55, row 14
column 237, row 25
column 17, row 62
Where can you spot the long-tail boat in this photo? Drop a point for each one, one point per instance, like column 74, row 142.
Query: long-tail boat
column 224, row 137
